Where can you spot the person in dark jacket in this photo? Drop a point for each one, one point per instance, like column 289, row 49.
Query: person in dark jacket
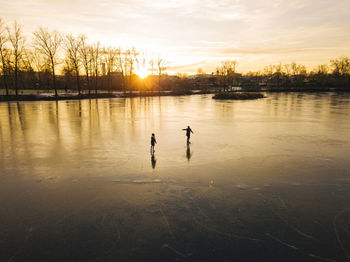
column 188, row 133
column 153, row 142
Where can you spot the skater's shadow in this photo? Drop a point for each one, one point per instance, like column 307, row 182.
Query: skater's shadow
column 153, row 160
column 188, row 152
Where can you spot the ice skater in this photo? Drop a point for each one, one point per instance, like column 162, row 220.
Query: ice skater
column 188, row 134
column 153, row 142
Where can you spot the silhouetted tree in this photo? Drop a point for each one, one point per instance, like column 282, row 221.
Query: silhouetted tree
column 152, row 69
column 323, row 69
column 126, row 62
column 72, row 45
column 226, row 74
column 341, row 69
column 230, row 68
column 341, row 65
column 17, row 42
column 161, row 64
column 85, row 57
column 95, row 61
column 287, row 69
column 68, row 73
column 277, row 75
column 4, row 53
column 109, row 58
column 48, row 44
column 131, row 63
column 120, row 58
column 5, row 67
column 41, row 67
column 27, row 65
column 319, row 76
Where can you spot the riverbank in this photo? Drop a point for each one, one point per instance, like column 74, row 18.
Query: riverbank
column 297, row 90
column 237, row 94
column 67, row 96
column 45, row 97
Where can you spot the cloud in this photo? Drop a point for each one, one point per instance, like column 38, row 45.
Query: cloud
column 188, row 32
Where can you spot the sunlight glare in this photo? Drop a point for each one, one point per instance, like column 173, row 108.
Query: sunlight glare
column 142, row 72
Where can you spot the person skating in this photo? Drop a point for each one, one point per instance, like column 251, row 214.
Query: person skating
column 188, row 133
column 153, row 142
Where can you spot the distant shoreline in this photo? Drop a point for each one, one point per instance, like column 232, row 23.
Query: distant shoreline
column 39, row 97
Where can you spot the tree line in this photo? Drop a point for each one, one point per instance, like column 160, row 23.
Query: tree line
column 336, row 75
column 333, row 75
column 83, row 66
column 50, row 60
column 292, row 76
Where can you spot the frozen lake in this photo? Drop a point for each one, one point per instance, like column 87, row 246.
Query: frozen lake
column 262, row 180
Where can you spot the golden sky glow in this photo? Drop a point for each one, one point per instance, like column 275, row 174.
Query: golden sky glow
column 200, row 33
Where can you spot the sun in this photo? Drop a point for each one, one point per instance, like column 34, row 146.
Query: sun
column 142, row 72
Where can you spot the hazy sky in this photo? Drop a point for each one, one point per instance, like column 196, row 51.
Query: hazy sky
column 201, row 33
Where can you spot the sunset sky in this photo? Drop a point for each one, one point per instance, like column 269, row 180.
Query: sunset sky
column 200, row 33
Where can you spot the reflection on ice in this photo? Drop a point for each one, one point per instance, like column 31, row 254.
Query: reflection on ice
column 188, row 152
column 153, row 161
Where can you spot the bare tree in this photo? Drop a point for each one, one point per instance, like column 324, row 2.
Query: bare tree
column 341, row 65
column 341, row 69
column 27, row 60
column 72, row 46
column 4, row 53
column 132, row 61
column 226, row 73
column 161, row 64
column 287, row 69
column 152, row 68
column 85, row 57
column 27, row 65
column 297, row 69
column 268, row 70
column 109, row 58
column 48, row 44
column 95, row 60
column 122, row 58
column 220, row 76
column 320, row 75
column 16, row 39
column 277, row 75
column 68, row 73
column 5, row 66
column 323, row 69
column 230, row 68
column 41, row 65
